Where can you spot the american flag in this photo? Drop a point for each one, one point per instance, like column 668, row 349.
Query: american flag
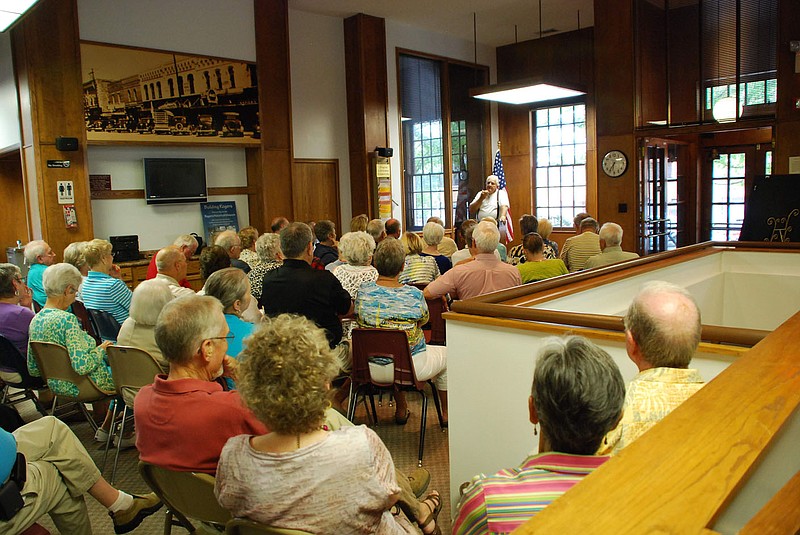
column 497, row 170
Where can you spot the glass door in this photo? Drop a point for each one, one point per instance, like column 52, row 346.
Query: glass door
column 659, row 194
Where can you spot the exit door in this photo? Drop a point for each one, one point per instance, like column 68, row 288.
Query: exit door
column 660, row 192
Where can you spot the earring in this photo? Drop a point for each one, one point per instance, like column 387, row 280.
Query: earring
column 535, row 429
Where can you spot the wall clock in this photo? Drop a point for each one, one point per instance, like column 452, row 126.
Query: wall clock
column 615, row 163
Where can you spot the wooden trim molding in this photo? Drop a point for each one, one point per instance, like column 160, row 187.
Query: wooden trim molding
column 139, row 193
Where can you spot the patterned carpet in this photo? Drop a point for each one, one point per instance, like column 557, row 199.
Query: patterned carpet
column 402, row 441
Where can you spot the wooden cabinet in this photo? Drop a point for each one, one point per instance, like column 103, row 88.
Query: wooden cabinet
column 135, row 271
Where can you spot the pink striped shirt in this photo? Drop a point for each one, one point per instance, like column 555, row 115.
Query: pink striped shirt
column 502, row 502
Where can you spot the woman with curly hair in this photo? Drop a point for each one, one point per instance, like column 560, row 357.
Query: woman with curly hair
column 295, row 476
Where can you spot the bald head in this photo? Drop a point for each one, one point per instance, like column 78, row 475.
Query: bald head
column 664, row 323
column 171, row 261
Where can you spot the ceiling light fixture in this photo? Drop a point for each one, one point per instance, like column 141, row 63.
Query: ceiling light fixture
column 11, row 10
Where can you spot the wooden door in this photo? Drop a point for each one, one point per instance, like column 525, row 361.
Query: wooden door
column 315, row 191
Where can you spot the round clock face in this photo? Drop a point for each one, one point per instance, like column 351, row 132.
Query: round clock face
column 615, row 163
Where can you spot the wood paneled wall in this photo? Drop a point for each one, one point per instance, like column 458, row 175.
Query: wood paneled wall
column 367, row 104
column 47, row 64
column 316, row 191
column 788, row 112
column 13, row 219
column 274, row 177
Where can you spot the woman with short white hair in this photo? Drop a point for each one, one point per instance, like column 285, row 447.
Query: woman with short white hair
column 356, row 249
column 270, row 256
column 149, row 298
column 433, row 233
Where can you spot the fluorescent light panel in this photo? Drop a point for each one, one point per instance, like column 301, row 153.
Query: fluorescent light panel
column 11, row 10
column 537, row 92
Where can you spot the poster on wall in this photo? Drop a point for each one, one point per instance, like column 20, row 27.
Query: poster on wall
column 145, row 95
column 218, row 217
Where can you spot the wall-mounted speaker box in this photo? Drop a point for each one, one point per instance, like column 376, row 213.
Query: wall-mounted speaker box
column 67, row 144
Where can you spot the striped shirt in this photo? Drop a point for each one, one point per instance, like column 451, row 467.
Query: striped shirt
column 578, row 249
column 419, row 270
column 102, row 292
column 504, row 501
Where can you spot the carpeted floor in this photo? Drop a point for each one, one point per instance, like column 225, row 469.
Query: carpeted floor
column 402, row 441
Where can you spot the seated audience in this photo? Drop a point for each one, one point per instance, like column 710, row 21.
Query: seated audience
column 433, row 234
column 232, row 245
column 102, row 289
column 610, row 243
column 418, row 269
column 576, row 398
column 388, row 304
column 536, row 268
column 187, row 245
column 468, row 252
column 73, row 254
column 248, row 237
column 268, row 247
column 483, row 275
column 550, row 247
column 15, row 307
column 376, row 229
column 55, row 325
column 447, row 246
column 183, row 419
column 578, row 249
column 662, row 332
column 38, row 255
column 326, row 250
column 392, row 228
column 527, row 224
column 232, row 288
column 297, row 288
column 501, row 249
column 149, row 298
column 295, row 476
column 278, row 224
column 359, row 223
column 171, row 264
column 213, row 259
column 59, row 472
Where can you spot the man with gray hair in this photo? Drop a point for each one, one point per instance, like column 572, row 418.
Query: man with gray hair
column 38, row 255
column 188, row 246
column 578, row 249
column 610, row 242
column 662, row 332
column 447, row 246
column 483, row 275
column 171, row 264
column 377, row 230
column 230, row 241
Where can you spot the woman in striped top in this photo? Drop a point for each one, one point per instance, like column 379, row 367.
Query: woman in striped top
column 418, row 269
column 102, row 289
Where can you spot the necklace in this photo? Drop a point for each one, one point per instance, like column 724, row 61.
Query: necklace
column 298, row 442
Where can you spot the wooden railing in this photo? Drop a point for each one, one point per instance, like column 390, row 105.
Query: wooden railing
column 680, row 476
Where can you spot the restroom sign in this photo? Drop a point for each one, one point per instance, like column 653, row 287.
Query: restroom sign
column 66, row 192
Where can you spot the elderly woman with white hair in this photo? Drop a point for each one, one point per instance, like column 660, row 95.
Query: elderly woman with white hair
column 102, row 289
column 138, row 330
column 356, row 249
column 38, row 255
column 270, row 256
column 232, row 288
column 433, row 233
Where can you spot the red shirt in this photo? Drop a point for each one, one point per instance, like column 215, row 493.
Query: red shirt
column 183, row 424
column 152, row 271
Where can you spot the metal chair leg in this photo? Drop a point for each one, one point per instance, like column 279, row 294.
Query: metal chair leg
column 437, row 402
column 111, row 431
column 119, row 443
column 422, row 426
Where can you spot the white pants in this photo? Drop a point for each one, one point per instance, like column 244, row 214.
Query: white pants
column 428, row 364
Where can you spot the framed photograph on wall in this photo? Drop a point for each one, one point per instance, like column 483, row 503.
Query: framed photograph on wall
column 134, row 94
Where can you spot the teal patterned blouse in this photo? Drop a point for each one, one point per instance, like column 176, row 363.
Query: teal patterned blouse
column 62, row 327
column 401, row 308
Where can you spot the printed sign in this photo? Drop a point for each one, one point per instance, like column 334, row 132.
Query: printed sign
column 218, row 217
column 66, row 192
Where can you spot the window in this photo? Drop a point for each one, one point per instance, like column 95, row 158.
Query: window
column 560, row 156
column 727, row 196
column 443, row 148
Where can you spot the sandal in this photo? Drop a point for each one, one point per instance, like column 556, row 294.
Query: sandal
column 401, row 420
column 435, row 499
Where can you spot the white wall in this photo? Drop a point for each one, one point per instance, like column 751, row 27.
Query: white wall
column 157, row 225
column 9, row 108
column 319, row 96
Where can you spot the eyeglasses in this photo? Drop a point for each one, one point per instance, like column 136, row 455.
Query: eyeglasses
column 229, row 336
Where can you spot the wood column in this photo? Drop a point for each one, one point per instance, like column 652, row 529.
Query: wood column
column 47, row 63
column 367, row 105
column 787, row 134
column 272, row 176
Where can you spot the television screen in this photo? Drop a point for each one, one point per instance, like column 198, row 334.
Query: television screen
column 174, row 180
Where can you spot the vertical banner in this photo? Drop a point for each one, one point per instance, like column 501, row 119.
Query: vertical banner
column 383, row 174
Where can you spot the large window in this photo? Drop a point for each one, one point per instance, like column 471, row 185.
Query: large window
column 727, row 196
column 560, row 138
column 443, row 141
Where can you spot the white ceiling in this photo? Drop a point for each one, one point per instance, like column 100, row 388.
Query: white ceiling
column 495, row 18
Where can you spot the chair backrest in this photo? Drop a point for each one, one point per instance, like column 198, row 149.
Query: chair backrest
column 132, row 368
column 437, row 307
column 54, row 363
column 190, row 494
column 242, row 526
column 383, row 343
column 11, row 360
column 104, row 324
column 86, row 322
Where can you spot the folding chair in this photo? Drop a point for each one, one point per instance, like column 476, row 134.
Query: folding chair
column 12, row 364
column 242, row 526
column 82, row 314
column 369, row 344
column 438, row 334
column 54, row 363
column 104, row 324
column 186, row 495
column 132, row 368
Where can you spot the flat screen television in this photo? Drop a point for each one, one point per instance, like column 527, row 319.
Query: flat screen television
column 175, row 180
